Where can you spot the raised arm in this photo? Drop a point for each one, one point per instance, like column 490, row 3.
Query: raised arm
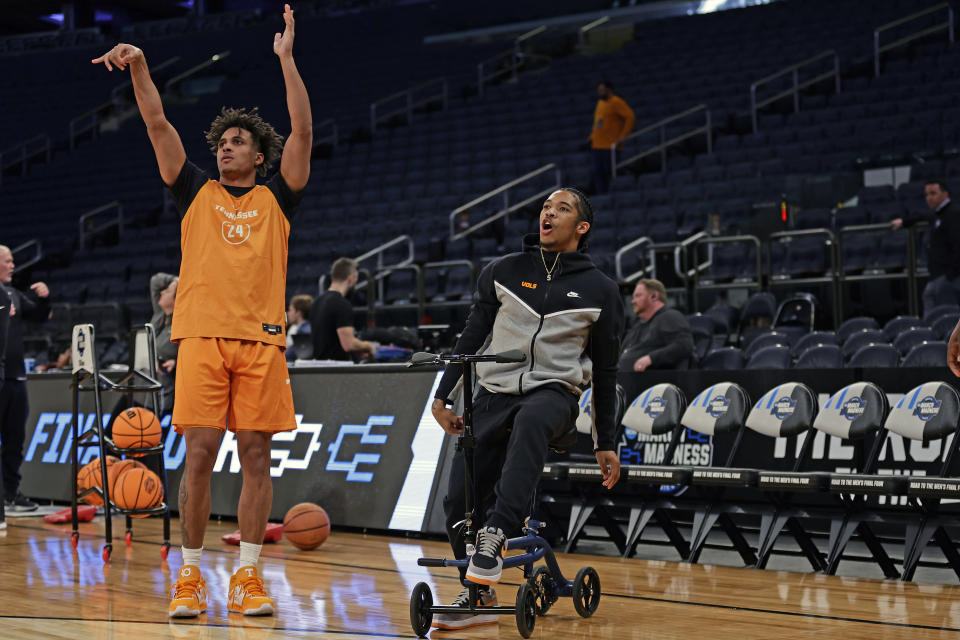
column 295, row 161
column 165, row 139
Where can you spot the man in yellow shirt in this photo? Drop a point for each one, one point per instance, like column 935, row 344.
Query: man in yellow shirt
column 612, row 121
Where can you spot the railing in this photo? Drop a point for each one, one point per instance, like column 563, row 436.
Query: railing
column 24, row 263
column 21, row 154
column 417, row 301
column 90, row 227
column 447, row 265
column 507, row 206
column 878, row 49
column 89, row 121
column 831, row 277
column 908, row 273
column 797, row 86
column 703, row 239
column 383, row 269
column 582, row 31
column 664, row 144
column 169, row 85
column 331, row 138
column 641, row 245
column 506, row 63
column 410, row 102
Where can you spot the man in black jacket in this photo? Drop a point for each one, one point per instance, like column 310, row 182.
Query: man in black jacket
column 552, row 303
column 943, row 242
column 660, row 338
column 13, row 394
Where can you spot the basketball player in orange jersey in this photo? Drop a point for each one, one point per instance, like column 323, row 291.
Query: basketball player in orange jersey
column 229, row 316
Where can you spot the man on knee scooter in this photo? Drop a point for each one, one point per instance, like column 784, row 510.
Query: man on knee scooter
column 550, row 302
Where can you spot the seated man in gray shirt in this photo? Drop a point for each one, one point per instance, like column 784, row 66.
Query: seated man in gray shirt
column 660, row 338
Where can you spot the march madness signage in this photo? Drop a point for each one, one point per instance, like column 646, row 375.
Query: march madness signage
column 366, row 447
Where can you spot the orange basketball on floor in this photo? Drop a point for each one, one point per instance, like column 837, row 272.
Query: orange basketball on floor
column 89, row 477
column 306, row 525
column 138, row 489
column 116, row 470
column 136, row 428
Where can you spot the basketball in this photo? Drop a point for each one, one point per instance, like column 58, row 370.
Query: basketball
column 136, row 428
column 116, row 470
column 138, row 489
column 89, row 477
column 306, row 525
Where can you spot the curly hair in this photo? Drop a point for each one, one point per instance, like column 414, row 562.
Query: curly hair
column 266, row 140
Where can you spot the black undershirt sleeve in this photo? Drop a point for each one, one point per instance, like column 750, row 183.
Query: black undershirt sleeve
column 288, row 199
column 187, row 185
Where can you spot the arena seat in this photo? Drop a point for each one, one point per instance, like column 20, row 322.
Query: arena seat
column 820, row 356
column 926, row 354
column 724, row 358
column 875, row 356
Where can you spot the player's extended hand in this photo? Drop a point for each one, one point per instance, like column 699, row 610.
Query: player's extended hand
column 447, row 418
column 41, row 289
column 120, row 56
column 953, row 351
column 609, row 467
column 283, row 44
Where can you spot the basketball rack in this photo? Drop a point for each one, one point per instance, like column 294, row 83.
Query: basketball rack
column 542, row 586
column 141, row 377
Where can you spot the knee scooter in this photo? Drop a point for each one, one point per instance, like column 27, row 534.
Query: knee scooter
column 542, row 586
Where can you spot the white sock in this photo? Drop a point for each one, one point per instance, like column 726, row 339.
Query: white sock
column 249, row 554
column 191, row 556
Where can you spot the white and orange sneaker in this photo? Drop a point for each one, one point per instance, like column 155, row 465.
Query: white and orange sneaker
column 246, row 594
column 188, row 596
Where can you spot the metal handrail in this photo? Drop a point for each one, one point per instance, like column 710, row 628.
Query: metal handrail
column 87, row 121
column 507, row 207
column 703, row 238
column 644, row 243
column 833, row 276
column 877, row 49
column 382, row 269
column 418, row 275
column 681, row 254
column 115, row 92
column 34, row 259
column 445, row 264
column 907, row 273
column 23, row 153
column 410, row 103
column 88, row 228
column 332, row 138
column 214, row 59
column 513, row 57
column 664, row 143
column 582, row 32
column 798, row 86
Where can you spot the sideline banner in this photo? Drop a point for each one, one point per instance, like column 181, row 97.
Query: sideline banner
column 366, row 447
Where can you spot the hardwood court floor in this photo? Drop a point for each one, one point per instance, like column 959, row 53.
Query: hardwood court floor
column 358, row 586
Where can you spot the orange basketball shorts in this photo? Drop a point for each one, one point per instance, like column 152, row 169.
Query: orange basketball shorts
column 235, row 384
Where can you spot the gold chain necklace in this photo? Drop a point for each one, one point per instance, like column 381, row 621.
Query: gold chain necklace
column 550, row 269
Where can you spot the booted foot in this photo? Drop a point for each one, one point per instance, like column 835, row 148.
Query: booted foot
column 188, row 596
column 247, row 595
column 487, row 598
column 486, row 564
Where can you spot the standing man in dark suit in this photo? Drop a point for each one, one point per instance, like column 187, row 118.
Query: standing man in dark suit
column 660, row 338
column 14, row 407
column 943, row 245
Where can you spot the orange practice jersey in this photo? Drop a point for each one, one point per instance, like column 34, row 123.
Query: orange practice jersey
column 234, row 269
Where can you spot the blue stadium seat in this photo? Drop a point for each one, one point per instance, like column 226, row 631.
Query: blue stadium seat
column 875, row 355
column 813, row 339
column 858, row 323
column 926, row 354
column 911, row 337
column 894, row 327
column 725, row 358
column 772, row 357
column 820, row 356
column 855, row 341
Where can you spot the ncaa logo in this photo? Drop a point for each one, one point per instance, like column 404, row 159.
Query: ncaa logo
column 235, row 232
column 655, row 408
column 927, row 408
column 783, row 408
column 718, row 406
column 853, row 408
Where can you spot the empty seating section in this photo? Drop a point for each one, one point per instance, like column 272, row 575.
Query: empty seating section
column 407, row 179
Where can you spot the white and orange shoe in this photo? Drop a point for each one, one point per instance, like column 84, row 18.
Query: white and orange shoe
column 247, row 595
column 467, row 619
column 188, row 596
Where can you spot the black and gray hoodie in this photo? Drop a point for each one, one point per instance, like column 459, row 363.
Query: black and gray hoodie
column 568, row 327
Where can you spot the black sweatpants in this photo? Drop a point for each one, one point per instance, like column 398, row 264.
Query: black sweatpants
column 512, row 434
column 13, row 424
